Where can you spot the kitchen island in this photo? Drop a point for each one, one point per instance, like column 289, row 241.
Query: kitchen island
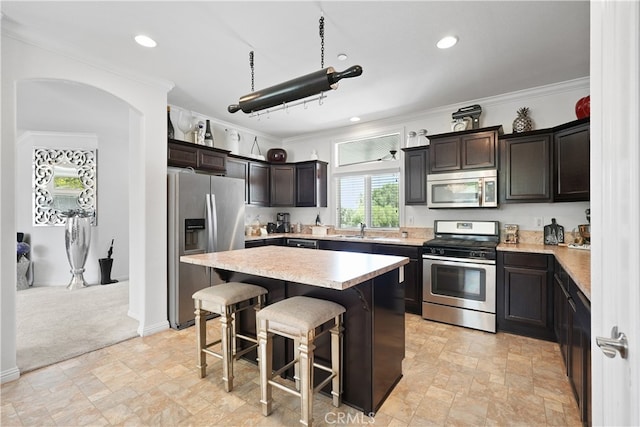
column 370, row 287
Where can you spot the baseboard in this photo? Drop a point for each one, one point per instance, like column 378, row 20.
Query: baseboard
column 153, row 329
column 9, row 375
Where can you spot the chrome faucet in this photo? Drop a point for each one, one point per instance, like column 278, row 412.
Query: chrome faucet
column 362, row 226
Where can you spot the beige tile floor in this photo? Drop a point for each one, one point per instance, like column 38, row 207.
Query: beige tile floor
column 452, row 376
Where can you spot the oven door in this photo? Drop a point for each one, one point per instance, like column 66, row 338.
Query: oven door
column 460, row 282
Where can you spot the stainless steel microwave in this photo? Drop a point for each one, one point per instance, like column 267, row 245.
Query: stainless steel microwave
column 468, row 189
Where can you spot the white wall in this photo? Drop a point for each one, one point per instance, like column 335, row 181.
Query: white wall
column 549, row 106
column 146, row 98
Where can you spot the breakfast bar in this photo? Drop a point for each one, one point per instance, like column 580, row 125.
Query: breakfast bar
column 369, row 286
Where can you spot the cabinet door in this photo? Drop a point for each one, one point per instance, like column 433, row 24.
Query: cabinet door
column 259, row 184
column 211, row 161
column 561, row 318
column 576, row 356
column 478, row 150
column 311, row 184
column 571, row 164
column 283, row 185
column 182, row 157
column 526, row 169
column 415, row 173
column 444, row 154
column 237, row 168
column 524, row 297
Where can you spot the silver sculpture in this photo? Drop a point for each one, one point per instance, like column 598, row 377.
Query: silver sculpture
column 77, row 238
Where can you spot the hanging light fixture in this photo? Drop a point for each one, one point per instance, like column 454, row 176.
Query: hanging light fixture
column 283, row 94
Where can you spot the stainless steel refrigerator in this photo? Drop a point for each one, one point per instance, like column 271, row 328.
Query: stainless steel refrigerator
column 205, row 214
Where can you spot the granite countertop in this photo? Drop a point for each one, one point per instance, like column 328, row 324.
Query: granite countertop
column 576, row 262
column 327, row 269
column 406, row 241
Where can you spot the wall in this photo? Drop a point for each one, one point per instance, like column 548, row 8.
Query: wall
column 549, row 106
column 24, row 60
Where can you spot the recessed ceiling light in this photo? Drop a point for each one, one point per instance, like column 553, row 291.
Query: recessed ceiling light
column 447, row 42
column 342, row 56
column 354, row 119
column 145, row 41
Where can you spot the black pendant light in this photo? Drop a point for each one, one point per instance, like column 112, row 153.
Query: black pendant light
column 295, row 89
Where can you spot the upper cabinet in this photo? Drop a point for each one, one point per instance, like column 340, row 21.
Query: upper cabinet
column 525, row 167
column 311, row 184
column 186, row 154
column 416, row 167
column 465, row 150
column 571, row 162
column 550, row 165
column 283, row 184
column 302, row 184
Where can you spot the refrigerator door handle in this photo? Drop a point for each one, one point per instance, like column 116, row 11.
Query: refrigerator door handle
column 212, row 223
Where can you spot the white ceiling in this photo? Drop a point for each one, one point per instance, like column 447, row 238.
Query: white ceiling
column 203, row 47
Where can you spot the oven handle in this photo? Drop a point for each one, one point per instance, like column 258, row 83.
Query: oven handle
column 467, row 261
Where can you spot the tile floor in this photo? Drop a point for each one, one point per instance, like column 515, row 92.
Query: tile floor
column 452, row 376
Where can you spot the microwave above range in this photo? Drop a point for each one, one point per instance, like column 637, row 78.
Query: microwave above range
column 470, row 189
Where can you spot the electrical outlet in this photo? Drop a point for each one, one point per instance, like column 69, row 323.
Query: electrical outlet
column 410, row 220
column 539, row 221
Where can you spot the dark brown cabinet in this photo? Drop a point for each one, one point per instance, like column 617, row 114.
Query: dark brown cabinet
column 524, row 303
column 571, row 162
column 259, row 179
column 239, row 168
column 416, row 168
column 472, row 149
column 549, row 165
column 573, row 332
column 283, row 184
column 256, row 176
column 311, row 184
column 412, row 274
column 525, row 168
column 184, row 154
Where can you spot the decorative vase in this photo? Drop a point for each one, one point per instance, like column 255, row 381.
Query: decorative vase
column 523, row 122
column 583, row 107
column 77, row 238
column 21, row 273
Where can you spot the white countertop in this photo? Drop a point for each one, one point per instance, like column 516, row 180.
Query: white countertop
column 327, row 269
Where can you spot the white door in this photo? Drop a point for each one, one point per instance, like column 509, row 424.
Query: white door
column 615, row 207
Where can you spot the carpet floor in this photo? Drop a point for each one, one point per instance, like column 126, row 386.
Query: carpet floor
column 55, row 324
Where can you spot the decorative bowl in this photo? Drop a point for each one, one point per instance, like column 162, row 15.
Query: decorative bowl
column 277, row 155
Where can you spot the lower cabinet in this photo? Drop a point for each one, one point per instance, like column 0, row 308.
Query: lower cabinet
column 524, row 294
column 263, row 242
column 572, row 325
column 412, row 271
column 412, row 274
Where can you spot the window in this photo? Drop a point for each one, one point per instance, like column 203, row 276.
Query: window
column 367, row 182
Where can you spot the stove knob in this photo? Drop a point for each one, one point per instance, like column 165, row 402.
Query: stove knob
column 441, row 251
column 433, row 250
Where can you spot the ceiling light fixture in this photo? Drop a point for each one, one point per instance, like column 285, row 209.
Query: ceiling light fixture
column 145, row 41
column 284, row 94
column 447, row 42
column 342, row 56
column 354, row 119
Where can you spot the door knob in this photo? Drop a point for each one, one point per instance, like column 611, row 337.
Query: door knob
column 616, row 344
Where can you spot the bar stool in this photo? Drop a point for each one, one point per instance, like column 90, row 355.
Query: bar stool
column 297, row 318
column 225, row 299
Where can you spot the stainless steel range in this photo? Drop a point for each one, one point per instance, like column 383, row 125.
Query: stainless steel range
column 459, row 274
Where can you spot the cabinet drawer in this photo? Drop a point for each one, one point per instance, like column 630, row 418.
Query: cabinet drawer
column 527, row 260
column 397, row 250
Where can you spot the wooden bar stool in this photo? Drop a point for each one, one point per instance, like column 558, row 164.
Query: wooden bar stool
column 297, row 318
column 225, row 299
